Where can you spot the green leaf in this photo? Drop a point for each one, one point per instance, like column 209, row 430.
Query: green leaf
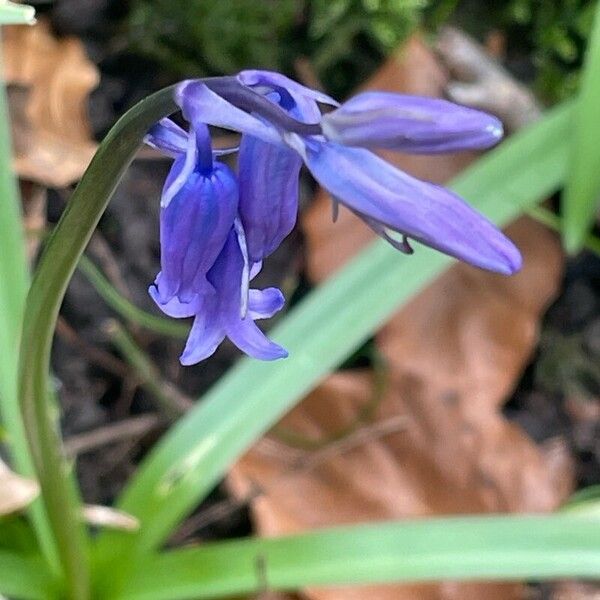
column 319, row 334
column 16, row 14
column 472, row 548
column 14, row 278
column 25, row 577
column 582, row 187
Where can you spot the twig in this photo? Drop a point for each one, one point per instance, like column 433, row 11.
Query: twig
column 101, row 250
column 172, row 402
column 94, row 355
column 483, row 83
column 134, row 427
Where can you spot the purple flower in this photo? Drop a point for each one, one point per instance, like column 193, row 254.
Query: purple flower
column 198, row 208
column 218, row 314
column 218, row 227
column 410, row 124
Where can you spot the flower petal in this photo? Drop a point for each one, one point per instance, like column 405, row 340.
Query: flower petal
column 263, row 304
column 193, row 231
column 268, row 208
column 167, row 137
column 205, row 336
column 201, row 104
column 273, row 80
column 174, row 307
column 251, row 340
column 181, row 170
column 422, row 211
column 412, row 124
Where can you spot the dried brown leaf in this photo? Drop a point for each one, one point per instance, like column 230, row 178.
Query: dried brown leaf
column 49, row 81
column 16, row 492
column 575, row 590
column 105, row 516
column 453, row 355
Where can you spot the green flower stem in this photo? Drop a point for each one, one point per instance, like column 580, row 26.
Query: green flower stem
column 127, row 309
column 58, row 262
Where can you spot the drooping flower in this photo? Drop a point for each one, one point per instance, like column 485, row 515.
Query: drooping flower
column 217, row 313
column 199, row 205
column 206, row 208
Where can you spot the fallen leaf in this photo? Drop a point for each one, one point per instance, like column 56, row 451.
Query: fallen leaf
column 575, row 590
column 104, row 516
column 48, row 81
column 16, row 492
column 452, row 356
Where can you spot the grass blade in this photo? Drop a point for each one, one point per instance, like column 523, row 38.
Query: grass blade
column 14, row 276
column 582, row 187
column 466, row 548
column 24, row 577
column 319, row 333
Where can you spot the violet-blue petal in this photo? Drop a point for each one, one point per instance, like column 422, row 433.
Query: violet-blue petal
column 413, row 124
column 206, row 334
column 181, row 170
column 226, row 276
column 170, row 139
column 268, row 177
column 263, row 304
column 201, row 104
column 167, row 137
column 251, row 340
column 193, row 229
column 422, row 211
column 271, row 79
column 174, row 307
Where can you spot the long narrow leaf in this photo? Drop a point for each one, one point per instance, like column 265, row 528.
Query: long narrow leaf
column 582, row 187
column 471, row 548
column 319, row 333
column 13, row 289
column 25, row 577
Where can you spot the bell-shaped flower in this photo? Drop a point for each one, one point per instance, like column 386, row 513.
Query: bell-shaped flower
column 391, row 201
column 199, row 204
column 269, row 173
column 219, row 310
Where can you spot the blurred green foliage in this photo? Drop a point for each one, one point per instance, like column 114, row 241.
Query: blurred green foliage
column 556, row 32
column 344, row 40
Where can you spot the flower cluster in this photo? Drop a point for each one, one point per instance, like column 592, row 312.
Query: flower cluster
column 217, row 226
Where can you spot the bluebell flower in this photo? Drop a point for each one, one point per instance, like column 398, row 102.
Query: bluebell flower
column 218, row 311
column 217, row 227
